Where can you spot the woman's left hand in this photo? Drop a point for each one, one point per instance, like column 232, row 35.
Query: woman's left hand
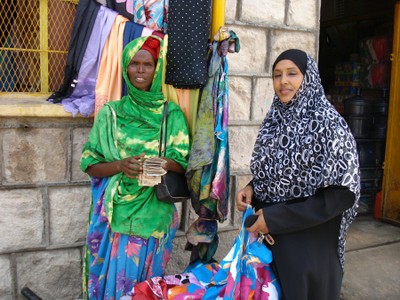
column 259, row 226
column 171, row 165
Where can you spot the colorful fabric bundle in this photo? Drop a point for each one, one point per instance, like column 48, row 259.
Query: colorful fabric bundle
column 245, row 273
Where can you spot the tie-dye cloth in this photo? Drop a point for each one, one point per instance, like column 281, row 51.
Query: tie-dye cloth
column 208, row 168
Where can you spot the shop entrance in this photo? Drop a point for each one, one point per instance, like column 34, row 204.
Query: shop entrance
column 360, row 71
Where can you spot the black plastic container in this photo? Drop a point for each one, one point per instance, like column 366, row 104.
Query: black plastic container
column 379, row 126
column 360, row 126
column 357, row 105
column 370, row 153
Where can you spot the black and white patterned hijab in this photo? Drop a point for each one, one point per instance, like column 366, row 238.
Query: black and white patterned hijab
column 305, row 145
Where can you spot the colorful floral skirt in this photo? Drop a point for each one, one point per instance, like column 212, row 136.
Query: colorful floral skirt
column 115, row 262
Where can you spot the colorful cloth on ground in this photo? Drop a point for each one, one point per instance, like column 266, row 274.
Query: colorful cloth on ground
column 83, row 96
column 208, row 168
column 115, row 262
column 130, row 127
column 303, row 146
column 244, row 273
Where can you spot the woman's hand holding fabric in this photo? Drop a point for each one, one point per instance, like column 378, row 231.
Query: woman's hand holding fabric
column 243, row 197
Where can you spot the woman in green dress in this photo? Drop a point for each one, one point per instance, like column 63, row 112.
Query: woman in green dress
column 130, row 231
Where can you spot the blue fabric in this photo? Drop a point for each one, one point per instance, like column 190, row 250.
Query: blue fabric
column 115, row 262
column 244, row 273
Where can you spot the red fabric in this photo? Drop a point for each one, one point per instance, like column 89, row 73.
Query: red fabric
column 153, row 289
column 152, row 45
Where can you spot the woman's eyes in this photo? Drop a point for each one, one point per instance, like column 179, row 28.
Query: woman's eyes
column 288, row 74
column 135, row 64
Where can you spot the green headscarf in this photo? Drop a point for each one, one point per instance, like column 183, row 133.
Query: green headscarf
column 130, row 127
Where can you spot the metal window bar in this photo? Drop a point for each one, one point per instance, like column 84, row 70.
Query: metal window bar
column 34, row 39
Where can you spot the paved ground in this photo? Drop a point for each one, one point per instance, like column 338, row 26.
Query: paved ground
column 372, row 266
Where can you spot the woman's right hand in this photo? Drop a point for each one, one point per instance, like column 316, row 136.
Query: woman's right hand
column 243, row 197
column 131, row 166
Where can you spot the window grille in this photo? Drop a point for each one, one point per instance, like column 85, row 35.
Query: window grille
column 34, row 39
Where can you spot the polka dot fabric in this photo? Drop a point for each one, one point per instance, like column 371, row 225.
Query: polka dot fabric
column 188, row 33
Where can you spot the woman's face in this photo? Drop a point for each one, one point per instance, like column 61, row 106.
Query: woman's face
column 287, row 79
column 141, row 70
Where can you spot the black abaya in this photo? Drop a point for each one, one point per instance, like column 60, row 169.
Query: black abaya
column 305, row 252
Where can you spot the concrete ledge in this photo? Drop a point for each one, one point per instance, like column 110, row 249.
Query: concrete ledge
column 20, row 105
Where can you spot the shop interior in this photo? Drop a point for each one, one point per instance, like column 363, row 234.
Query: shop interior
column 356, row 39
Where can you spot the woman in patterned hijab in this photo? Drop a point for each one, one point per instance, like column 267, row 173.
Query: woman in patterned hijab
column 306, row 183
column 130, row 232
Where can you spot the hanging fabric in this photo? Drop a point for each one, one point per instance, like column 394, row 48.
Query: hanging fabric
column 208, row 170
column 83, row 96
column 109, row 79
column 188, row 31
column 150, row 13
column 85, row 17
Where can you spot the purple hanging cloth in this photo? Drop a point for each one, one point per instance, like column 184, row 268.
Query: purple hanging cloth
column 82, row 99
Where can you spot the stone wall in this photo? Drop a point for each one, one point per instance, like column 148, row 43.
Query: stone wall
column 44, row 197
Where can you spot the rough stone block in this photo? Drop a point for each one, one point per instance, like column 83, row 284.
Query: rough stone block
column 239, row 98
column 251, row 58
column 243, row 180
column 263, row 12
column 226, row 240
column 180, row 258
column 52, row 274
column 22, row 220
column 80, row 136
column 5, row 278
column 303, row 13
column 242, row 140
column 35, row 155
column 230, row 10
column 68, row 214
column 263, row 94
column 283, row 40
